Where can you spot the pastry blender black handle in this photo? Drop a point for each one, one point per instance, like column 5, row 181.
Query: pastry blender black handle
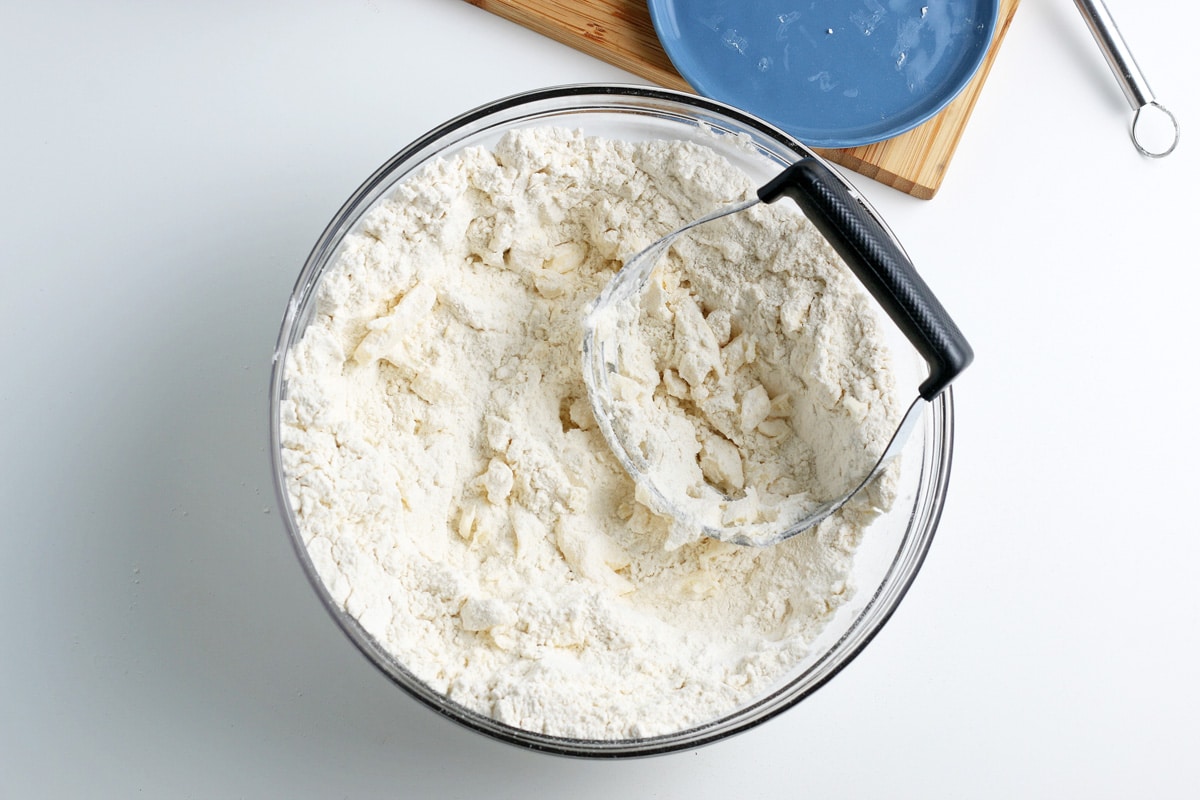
column 880, row 264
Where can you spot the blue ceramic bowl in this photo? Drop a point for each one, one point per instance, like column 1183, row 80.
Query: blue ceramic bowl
column 834, row 73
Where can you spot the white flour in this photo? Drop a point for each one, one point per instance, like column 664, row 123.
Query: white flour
column 451, row 486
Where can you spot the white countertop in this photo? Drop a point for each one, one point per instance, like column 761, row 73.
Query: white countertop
column 167, row 168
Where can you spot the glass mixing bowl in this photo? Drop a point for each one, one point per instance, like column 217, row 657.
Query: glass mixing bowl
column 893, row 548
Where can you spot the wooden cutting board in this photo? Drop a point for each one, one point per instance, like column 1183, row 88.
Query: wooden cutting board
column 621, row 33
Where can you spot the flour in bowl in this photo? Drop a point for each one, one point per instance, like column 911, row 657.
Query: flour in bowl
column 448, row 479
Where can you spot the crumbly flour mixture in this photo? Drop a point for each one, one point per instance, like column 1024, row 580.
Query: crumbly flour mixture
column 749, row 403
column 450, row 483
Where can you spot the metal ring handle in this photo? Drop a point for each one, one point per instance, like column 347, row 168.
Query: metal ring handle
column 1138, row 143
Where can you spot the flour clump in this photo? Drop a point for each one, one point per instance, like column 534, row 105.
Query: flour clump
column 450, row 484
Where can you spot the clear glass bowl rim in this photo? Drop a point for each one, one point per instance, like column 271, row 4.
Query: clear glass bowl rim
column 937, row 430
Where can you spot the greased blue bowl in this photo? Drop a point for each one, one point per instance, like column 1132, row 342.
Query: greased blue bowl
column 834, row 74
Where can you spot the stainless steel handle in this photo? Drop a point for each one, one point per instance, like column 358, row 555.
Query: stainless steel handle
column 1133, row 83
column 1116, row 52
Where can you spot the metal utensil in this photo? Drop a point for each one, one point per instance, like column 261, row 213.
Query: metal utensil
column 1133, row 82
column 874, row 256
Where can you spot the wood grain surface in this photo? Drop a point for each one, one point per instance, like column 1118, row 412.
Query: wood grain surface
column 620, row 32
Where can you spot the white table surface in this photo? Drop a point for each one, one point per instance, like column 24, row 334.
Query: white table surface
column 166, row 168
